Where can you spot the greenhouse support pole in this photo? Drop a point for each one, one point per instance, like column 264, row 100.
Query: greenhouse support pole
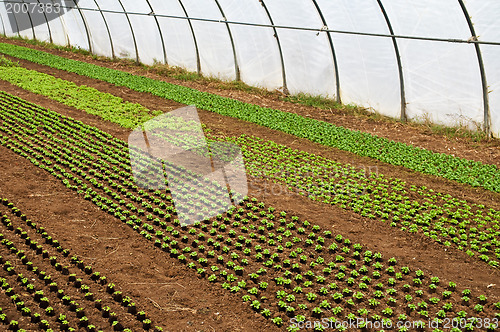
column 107, row 29
column 137, row 59
column 402, row 116
column 31, row 20
column 17, row 24
column 47, row 21
column 236, row 65
column 332, row 48
column 3, row 26
column 486, row 102
column 285, row 87
column 89, row 39
column 160, row 32
column 198, row 61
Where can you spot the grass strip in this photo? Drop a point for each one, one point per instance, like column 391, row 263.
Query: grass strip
column 453, row 168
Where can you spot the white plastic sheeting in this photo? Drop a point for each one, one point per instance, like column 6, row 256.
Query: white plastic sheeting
column 486, row 18
column 179, row 40
column 305, row 53
column 442, row 80
column 214, row 45
column 368, row 69
column 119, row 26
column 256, row 49
column 439, row 80
column 100, row 39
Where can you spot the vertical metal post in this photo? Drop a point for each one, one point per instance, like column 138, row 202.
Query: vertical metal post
column 285, row 88
column 107, row 29
column 486, row 102
column 160, row 32
column 89, row 39
column 236, row 66
column 47, row 21
column 332, row 49
column 198, row 61
column 17, row 25
column 31, row 21
column 131, row 30
column 3, row 27
column 403, row 116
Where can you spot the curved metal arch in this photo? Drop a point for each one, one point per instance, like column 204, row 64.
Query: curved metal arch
column 107, row 29
column 46, row 21
column 131, row 30
column 486, row 102
column 31, row 21
column 89, row 40
column 332, row 48
column 160, row 32
column 398, row 59
column 66, row 31
column 236, row 65
column 17, row 25
column 3, row 26
column 285, row 88
column 198, row 61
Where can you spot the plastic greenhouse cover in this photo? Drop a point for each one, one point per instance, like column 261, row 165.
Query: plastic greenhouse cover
column 442, row 80
column 216, row 53
column 22, row 22
column 306, row 54
column 256, row 48
column 75, row 24
column 368, row 69
column 101, row 43
column 58, row 30
column 179, row 42
column 121, row 33
column 485, row 15
column 41, row 27
column 147, row 34
column 8, row 28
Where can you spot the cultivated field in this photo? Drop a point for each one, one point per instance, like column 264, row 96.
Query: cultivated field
column 348, row 224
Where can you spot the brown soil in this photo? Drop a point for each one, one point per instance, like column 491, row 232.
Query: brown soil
column 175, row 296
column 234, row 127
column 485, row 151
column 415, row 250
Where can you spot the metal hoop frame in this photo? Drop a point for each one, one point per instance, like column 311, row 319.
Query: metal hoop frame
column 276, row 35
column 236, row 66
column 403, row 116
column 332, row 49
column 198, row 60
column 484, row 82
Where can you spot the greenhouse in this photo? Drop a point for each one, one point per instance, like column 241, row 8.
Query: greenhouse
column 410, row 59
column 181, row 165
